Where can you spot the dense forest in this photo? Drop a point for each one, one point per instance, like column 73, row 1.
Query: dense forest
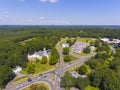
column 17, row 41
column 102, row 71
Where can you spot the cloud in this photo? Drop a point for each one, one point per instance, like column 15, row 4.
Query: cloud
column 41, row 18
column 51, row 1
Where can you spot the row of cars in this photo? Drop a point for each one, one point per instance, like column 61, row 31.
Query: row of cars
column 40, row 75
column 30, row 81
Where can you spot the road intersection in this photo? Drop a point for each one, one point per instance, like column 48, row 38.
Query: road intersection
column 58, row 73
column 44, row 77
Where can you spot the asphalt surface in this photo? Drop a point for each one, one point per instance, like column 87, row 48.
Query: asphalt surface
column 58, row 72
column 44, row 76
column 60, row 64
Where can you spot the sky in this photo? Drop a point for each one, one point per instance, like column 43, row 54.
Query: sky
column 59, row 12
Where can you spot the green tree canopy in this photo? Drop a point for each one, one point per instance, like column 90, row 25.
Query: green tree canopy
column 44, row 60
column 82, row 70
column 66, row 51
column 67, row 58
column 97, row 43
column 5, row 75
column 30, row 68
column 87, row 50
column 105, row 79
column 54, row 57
column 82, row 83
column 53, row 60
column 95, row 63
column 55, row 53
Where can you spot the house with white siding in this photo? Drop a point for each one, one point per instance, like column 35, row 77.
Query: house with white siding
column 39, row 54
column 65, row 45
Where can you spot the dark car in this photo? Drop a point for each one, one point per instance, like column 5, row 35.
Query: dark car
column 40, row 75
column 44, row 76
column 29, row 79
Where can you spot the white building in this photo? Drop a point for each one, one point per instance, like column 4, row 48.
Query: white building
column 116, row 41
column 65, row 45
column 17, row 70
column 78, row 47
column 39, row 54
column 104, row 39
column 77, row 75
column 92, row 48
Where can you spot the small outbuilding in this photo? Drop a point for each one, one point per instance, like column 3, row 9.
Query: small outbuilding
column 17, row 70
column 77, row 75
column 92, row 48
column 65, row 45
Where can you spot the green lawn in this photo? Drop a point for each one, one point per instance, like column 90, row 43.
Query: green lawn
column 41, row 68
column 91, row 88
column 24, row 42
column 38, row 86
column 17, row 79
column 72, row 69
column 83, row 54
column 68, row 88
column 85, row 39
column 72, row 58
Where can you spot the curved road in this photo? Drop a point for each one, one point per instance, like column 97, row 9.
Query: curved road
column 45, row 75
column 49, row 83
column 59, row 71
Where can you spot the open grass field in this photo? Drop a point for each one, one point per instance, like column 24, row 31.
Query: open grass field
column 21, row 79
column 91, row 88
column 72, row 58
column 83, row 54
column 38, row 86
column 85, row 39
column 40, row 68
column 24, row 42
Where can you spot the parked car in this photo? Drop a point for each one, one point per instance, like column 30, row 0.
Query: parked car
column 40, row 75
column 29, row 79
column 44, row 76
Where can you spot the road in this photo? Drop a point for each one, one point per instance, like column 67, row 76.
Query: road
column 45, row 75
column 60, row 65
column 58, row 72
